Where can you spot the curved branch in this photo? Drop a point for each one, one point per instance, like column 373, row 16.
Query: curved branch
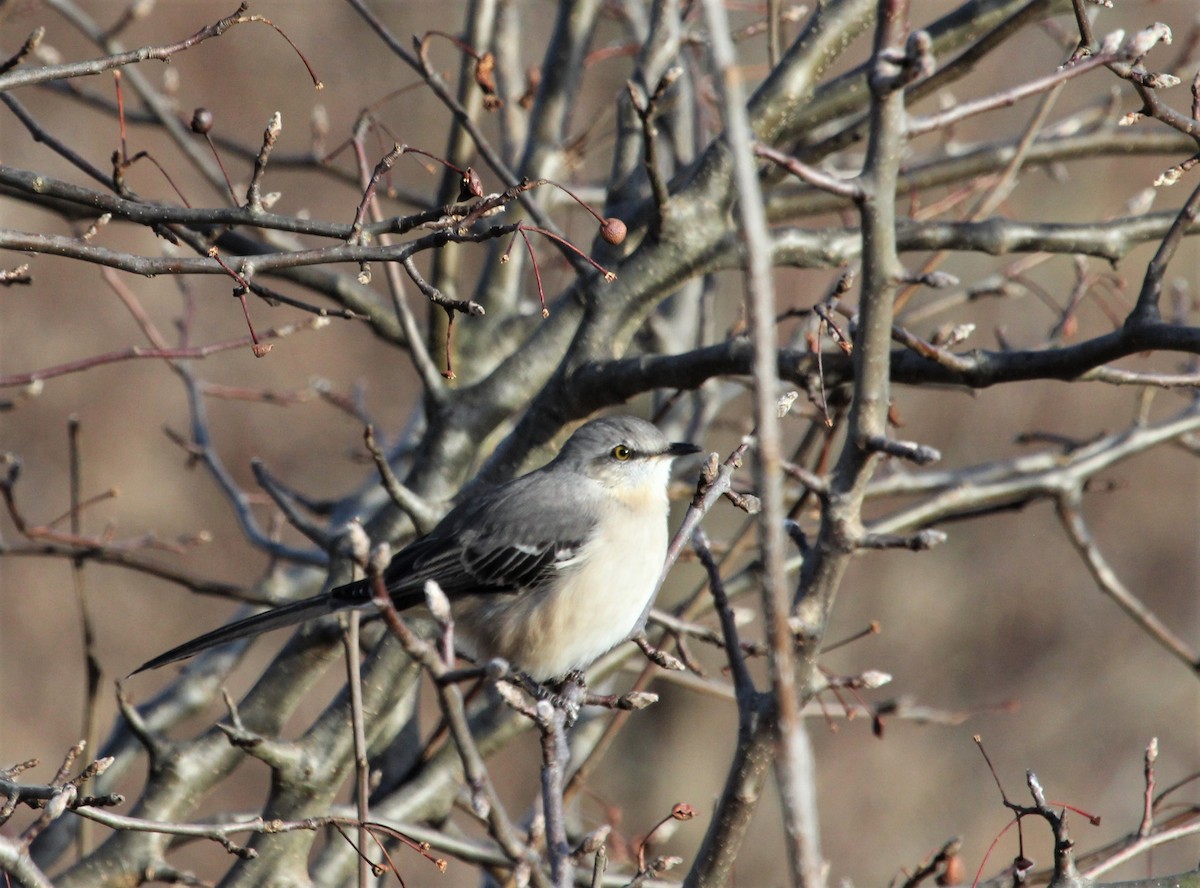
column 47, row 73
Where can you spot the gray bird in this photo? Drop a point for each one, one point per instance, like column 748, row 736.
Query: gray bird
column 549, row 571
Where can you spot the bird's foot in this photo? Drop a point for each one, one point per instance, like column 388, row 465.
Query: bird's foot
column 571, row 695
column 567, row 693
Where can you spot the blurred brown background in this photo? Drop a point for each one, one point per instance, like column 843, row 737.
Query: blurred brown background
column 1005, row 611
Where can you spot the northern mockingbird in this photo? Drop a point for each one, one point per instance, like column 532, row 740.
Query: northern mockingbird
column 549, row 571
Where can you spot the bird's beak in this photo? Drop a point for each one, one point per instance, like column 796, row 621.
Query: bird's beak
column 681, row 448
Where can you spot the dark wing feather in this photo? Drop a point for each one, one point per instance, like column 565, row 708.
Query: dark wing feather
column 520, row 566
column 471, row 565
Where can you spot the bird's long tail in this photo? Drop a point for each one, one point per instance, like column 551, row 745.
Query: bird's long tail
column 276, row 618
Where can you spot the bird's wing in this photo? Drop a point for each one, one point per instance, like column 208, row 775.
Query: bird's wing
column 521, row 565
column 472, row 563
column 494, row 544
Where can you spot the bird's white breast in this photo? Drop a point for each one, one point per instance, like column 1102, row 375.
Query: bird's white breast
column 568, row 624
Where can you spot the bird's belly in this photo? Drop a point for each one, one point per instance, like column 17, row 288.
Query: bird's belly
column 569, row 623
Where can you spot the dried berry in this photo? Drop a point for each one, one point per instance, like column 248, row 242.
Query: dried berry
column 613, row 231
column 202, row 121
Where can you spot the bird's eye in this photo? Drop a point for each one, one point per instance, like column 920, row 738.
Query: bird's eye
column 621, row 452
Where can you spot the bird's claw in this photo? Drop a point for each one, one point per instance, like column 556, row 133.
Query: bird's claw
column 566, row 694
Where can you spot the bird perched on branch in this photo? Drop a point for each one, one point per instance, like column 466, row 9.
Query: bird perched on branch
column 549, row 571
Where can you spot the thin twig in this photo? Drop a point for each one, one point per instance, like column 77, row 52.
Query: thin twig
column 1071, row 516
column 362, row 773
